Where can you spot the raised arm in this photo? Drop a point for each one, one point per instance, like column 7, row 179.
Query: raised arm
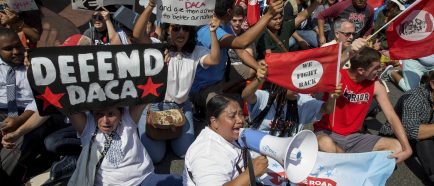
column 139, row 31
column 249, row 92
column 78, row 121
column 112, row 34
column 306, row 13
column 214, row 57
column 245, row 39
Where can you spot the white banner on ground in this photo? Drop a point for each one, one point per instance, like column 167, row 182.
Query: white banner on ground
column 185, row 12
column 22, row 5
column 332, row 169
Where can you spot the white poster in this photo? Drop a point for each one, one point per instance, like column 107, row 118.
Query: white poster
column 185, row 12
column 22, row 5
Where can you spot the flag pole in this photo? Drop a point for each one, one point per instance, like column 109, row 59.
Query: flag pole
column 337, row 81
column 388, row 23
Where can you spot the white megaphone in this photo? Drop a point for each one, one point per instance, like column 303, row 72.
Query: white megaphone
column 296, row 154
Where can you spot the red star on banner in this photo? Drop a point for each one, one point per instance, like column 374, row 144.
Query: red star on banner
column 50, row 98
column 149, row 88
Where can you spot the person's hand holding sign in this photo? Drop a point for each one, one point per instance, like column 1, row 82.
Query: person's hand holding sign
column 275, row 8
column 214, row 24
column 262, row 71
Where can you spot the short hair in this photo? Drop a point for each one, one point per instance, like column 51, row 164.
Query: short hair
column 365, row 58
column 222, row 6
column 338, row 23
column 7, row 32
column 216, row 105
column 238, row 11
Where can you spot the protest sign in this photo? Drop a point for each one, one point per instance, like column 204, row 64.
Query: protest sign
column 306, row 71
column 73, row 79
column 21, row 5
column 185, row 12
column 97, row 4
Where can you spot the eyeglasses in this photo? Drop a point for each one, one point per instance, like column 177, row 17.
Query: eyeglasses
column 97, row 17
column 177, row 28
column 347, row 34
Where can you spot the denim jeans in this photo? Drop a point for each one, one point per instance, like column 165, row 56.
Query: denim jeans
column 157, row 149
column 310, row 36
column 162, row 180
column 63, row 141
column 412, row 71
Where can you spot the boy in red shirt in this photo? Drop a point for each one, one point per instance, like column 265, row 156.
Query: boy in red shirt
column 359, row 87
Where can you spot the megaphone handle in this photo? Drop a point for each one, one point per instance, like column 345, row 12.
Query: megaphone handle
column 249, row 163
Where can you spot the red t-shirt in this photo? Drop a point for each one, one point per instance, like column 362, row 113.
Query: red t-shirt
column 351, row 107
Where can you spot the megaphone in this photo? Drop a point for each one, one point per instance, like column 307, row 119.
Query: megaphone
column 296, row 154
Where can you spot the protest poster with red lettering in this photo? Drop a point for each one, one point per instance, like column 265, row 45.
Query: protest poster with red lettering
column 306, row 71
column 193, row 12
column 79, row 78
column 411, row 35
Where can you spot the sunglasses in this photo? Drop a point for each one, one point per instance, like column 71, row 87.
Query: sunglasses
column 177, row 28
column 347, row 34
column 97, row 17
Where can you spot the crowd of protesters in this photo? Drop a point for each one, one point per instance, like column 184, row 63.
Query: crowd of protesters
column 214, row 71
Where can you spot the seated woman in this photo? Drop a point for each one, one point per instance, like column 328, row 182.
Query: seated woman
column 185, row 56
column 124, row 160
column 215, row 158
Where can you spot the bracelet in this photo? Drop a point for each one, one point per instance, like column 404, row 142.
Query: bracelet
column 152, row 5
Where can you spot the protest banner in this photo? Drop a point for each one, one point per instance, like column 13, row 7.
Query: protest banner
column 97, row 4
column 185, row 12
column 20, row 5
column 411, row 35
column 79, row 78
column 306, row 71
column 334, row 169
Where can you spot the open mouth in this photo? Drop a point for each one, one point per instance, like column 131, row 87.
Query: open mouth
column 236, row 129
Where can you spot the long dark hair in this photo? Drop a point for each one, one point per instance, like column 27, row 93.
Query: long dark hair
column 188, row 47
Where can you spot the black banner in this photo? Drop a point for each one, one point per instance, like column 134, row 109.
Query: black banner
column 73, row 79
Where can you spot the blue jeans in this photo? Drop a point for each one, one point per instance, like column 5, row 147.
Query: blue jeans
column 162, row 180
column 63, row 141
column 157, row 149
column 310, row 36
column 413, row 70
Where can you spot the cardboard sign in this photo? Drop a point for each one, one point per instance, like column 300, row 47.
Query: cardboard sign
column 21, row 5
column 73, row 79
column 97, row 4
column 185, row 12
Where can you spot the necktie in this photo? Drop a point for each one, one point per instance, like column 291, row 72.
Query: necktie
column 11, row 93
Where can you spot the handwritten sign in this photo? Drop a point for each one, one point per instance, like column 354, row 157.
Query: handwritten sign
column 185, row 12
column 97, row 4
column 22, row 5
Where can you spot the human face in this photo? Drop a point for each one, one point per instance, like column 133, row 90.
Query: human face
column 98, row 21
column 229, row 122
column 11, row 50
column 107, row 119
column 373, row 71
column 236, row 23
column 276, row 23
column 359, row 4
column 346, row 33
column 179, row 35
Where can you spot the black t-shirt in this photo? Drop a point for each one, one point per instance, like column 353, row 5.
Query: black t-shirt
column 265, row 41
column 97, row 37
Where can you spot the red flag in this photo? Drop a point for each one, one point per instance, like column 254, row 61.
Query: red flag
column 305, row 71
column 252, row 12
column 375, row 3
column 411, row 35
